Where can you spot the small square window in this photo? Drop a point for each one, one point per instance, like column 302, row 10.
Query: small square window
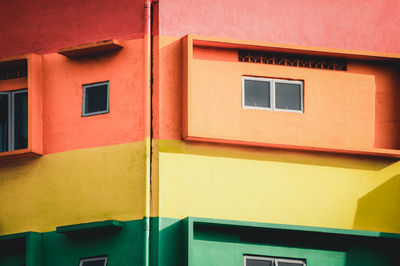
column 95, row 99
column 99, row 261
column 272, row 94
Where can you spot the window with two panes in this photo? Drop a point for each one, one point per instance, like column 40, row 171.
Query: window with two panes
column 272, row 94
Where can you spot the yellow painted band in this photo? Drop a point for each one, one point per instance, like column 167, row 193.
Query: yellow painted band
column 275, row 186
column 73, row 187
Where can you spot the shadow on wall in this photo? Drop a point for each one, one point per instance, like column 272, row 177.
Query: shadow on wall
column 380, row 208
column 348, row 161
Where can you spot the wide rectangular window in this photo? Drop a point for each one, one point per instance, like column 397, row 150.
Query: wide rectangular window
column 269, row 261
column 99, row 261
column 272, row 94
column 13, row 120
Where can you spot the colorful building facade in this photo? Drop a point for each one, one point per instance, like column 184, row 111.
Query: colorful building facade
column 199, row 133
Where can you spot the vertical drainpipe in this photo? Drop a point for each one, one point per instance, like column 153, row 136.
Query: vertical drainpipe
column 148, row 121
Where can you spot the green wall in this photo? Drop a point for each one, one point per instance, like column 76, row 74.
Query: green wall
column 223, row 243
column 122, row 246
column 201, row 242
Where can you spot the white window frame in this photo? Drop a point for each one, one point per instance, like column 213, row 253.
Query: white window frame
column 272, row 93
column 272, row 259
column 84, row 98
column 11, row 116
column 93, row 259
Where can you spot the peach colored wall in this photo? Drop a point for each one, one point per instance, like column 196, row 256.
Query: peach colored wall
column 387, row 83
column 338, row 106
column 384, row 80
column 167, row 96
column 387, row 97
column 65, row 128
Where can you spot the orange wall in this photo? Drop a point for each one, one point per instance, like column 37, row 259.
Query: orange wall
column 65, row 128
column 359, row 103
column 338, row 106
column 167, row 96
column 387, row 97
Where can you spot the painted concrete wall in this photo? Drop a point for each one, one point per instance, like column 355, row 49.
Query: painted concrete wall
column 72, row 187
column 96, row 167
column 356, row 24
column 275, row 186
column 206, row 180
column 92, row 168
column 64, row 127
column 44, row 26
column 260, row 184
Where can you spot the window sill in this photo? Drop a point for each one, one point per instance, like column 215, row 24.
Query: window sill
column 374, row 152
column 22, row 153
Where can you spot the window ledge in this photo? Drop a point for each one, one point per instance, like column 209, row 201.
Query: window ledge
column 23, row 153
column 190, row 221
column 375, row 152
column 108, row 225
column 91, row 48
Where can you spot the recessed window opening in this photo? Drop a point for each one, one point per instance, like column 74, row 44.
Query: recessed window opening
column 13, row 120
column 95, row 99
column 272, row 94
column 99, row 261
column 270, row 261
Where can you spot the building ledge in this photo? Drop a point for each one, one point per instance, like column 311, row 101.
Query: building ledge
column 324, row 230
column 374, row 152
column 109, row 225
column 91, row 48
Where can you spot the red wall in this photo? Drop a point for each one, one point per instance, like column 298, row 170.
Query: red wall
column 350, row 24
column 43, row 26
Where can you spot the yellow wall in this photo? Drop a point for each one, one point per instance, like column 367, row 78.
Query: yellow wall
column 72, row 187
column 274, row 186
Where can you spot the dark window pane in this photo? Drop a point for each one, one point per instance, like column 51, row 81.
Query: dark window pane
column 257, row 93
column 289, row 264
column 99, row 262
column 255, row 262
column 96, row 99
column 3, row 122
column 21, row 120
column 288, row 96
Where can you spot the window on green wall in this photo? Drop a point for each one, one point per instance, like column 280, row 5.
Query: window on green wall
column 270, row 261
column 98, row 261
